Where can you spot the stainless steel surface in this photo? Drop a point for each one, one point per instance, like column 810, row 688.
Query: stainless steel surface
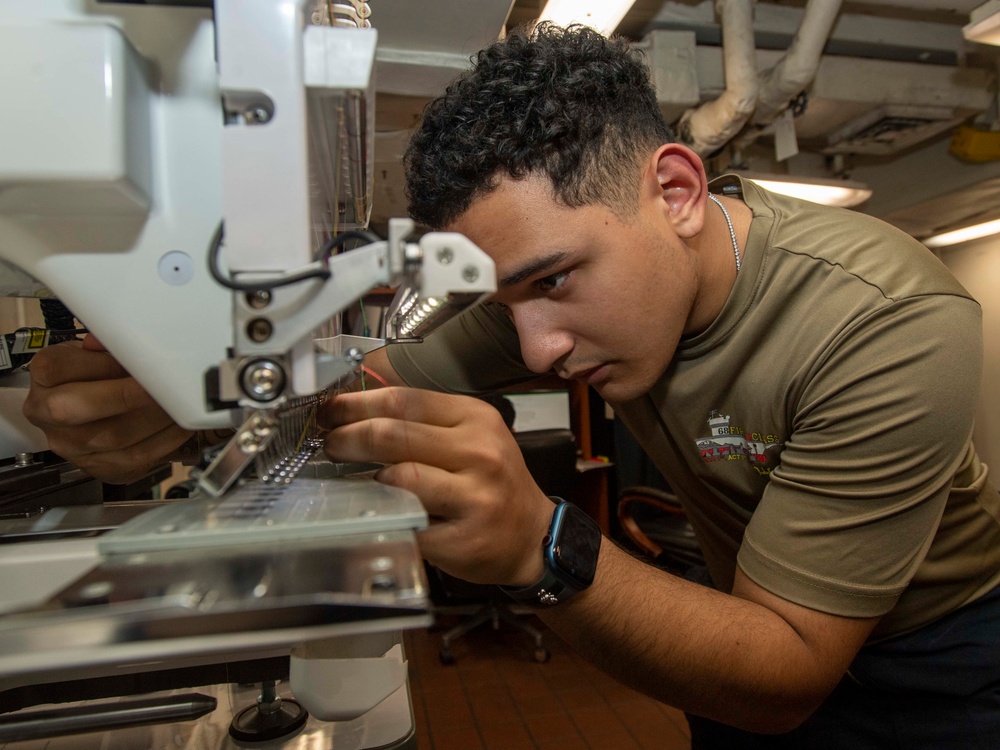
column 30, row 573
column 161, row 605
column 72, row 520
column 389, row 726
column 55, row 722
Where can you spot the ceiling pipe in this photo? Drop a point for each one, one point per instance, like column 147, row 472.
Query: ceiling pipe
column 797, row 67
column 710, row 126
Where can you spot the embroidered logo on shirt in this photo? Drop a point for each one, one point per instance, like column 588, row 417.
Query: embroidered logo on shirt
column 729, row 442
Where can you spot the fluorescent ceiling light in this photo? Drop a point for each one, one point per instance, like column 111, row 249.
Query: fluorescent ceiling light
column 831, row 192
column 964, row 234
column 603, row 15
column 984, row 26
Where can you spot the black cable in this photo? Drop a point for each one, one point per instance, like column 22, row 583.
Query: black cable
column 260, row 284
column 323, row 255
column 337, row 241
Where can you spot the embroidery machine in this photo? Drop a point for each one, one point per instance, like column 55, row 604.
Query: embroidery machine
column 195, row 184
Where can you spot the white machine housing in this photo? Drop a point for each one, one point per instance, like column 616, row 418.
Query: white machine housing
column 131, row 134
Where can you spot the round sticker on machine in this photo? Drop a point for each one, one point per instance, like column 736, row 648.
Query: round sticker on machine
column 176, row 268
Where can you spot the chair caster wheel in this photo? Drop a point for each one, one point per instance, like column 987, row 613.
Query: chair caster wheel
column 446, row 657
column 542, row 655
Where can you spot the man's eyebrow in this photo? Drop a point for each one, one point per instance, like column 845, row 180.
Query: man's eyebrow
column 534, row 267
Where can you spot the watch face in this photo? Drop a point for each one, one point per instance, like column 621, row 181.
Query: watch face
column 577, row 542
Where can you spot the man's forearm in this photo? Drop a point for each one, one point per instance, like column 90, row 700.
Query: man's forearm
column 703, row 651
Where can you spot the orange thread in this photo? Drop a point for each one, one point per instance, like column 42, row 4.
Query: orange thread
column 379, row 378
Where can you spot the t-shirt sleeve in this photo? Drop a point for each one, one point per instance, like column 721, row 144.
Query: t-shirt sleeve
column 878, row 433
column 474, row 353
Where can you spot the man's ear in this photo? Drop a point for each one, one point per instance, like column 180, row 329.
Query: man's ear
column 677, row 183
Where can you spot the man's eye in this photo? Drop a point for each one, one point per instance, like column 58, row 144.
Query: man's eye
column 552, row 282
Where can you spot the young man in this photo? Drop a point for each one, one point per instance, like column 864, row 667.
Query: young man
column 804, row 377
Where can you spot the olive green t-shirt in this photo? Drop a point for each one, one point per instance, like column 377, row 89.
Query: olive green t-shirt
column 818, row 432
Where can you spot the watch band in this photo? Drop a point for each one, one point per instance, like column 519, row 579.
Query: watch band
column 553, row 587
column 546, row 592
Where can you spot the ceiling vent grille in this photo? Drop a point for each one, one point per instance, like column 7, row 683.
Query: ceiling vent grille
column 890, row 129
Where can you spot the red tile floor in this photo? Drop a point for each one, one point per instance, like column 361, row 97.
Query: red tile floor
column 496, row 697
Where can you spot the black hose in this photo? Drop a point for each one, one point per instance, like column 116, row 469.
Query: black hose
column 59, row 321
column 56, row 315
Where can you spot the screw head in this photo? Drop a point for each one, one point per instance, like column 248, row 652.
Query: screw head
column 257, row 115
column 445, row 256
column 470, row 273
column 263, row 380
column 259, row 330
column 259, row 299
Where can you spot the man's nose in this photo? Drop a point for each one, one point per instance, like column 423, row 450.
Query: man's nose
column 543, row 342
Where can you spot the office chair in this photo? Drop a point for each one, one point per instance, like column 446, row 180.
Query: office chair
column 653, row 521
column 550, row 456
column 650, row 516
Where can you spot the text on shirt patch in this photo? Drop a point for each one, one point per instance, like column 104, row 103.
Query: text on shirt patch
column 729, row 442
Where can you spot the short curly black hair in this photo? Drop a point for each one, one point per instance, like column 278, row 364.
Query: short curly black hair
column 569, row 103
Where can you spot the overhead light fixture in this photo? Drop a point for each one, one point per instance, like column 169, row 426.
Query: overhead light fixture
column 831, row 192
column 984, row 24
column 602, row 15
column 964, row 234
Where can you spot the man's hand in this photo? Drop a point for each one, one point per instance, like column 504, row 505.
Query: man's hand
column 96, row 415
column 488, row 517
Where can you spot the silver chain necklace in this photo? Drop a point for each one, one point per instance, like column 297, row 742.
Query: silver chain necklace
column 732, row 232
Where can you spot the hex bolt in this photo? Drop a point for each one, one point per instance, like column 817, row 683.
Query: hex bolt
column 259, row 330
column 263, row 380
column 248, row 442
column 261, row 429
column 470, row 273
column 259, row 299
column 445, row 256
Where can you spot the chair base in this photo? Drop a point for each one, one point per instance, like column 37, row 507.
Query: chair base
column 492, row 613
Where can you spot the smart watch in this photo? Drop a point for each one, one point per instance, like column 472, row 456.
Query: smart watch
column 569, row 552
